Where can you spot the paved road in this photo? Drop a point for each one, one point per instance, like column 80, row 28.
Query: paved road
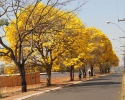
column 103, row 88
column 55, row 75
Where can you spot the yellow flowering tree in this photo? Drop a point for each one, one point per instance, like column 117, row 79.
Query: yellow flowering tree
column 10, row 70
column 31, row 20
column 56, row 40
column 101, row 49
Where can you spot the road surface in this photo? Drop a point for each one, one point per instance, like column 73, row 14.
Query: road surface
column 103, row 88
column 58, row 74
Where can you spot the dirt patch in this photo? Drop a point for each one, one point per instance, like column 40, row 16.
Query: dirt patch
column 56, row 82
column 15, row 90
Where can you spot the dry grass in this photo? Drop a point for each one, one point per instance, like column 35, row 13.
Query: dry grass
column 123, row 88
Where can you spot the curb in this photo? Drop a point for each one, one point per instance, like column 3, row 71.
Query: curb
column 48, row 90
column 45, row 91
column 35, row 94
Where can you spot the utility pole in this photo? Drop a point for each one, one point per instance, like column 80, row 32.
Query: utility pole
column 124, row 53
column 121, row 20
column 123, row 46
column 122, row 37
column 124, row 60
column 123, row 56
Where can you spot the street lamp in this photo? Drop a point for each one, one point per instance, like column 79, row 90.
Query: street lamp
column 118, row 40
column 108, row 22
column 116, row 25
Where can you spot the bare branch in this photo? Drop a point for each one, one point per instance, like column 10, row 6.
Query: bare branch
column 8, row 48
column 4, row 53
column 28, row 56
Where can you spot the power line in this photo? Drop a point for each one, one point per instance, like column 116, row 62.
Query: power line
column 124, row 9
column 117, row 9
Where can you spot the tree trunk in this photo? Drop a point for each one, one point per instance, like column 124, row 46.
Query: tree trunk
column 108, row 70
column 71, row 73
column 105, row 70
column 84, row 72
column 23, row 77
column 91, row 70
column 100, row 69
column 48, row 75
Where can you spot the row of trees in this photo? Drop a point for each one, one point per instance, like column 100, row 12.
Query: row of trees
column 45, row 36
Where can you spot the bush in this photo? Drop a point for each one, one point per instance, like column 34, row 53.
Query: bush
column 0, row 95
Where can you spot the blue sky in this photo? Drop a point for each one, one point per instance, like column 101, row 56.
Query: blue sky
column 96, row 13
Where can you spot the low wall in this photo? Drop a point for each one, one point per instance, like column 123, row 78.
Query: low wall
column 15, row 80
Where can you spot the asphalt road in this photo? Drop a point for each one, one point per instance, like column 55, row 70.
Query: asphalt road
column 58, row 74
column 103, row 88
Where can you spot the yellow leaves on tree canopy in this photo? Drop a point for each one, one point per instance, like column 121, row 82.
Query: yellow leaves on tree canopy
column 60, row 32
column 100, row 47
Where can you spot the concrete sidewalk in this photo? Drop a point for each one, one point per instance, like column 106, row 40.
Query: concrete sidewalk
column 35, row 92
column 25, row 95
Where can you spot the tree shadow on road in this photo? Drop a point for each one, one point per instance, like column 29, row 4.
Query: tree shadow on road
column 95, row 83
column 99, row 79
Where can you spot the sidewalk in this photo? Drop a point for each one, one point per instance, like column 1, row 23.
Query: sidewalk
column 56, row 84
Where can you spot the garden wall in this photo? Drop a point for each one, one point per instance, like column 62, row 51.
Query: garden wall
column 15, row 80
